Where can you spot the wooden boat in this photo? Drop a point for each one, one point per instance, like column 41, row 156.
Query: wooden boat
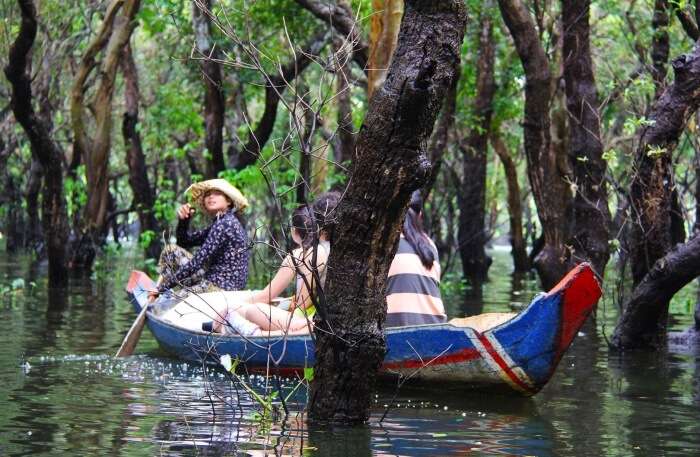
column 496, row 351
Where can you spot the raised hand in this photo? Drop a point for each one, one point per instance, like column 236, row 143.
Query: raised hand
column 185, row 211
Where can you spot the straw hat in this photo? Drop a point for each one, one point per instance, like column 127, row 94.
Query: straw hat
column 199, row 189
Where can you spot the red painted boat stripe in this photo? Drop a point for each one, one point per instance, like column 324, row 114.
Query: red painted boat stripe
column 460, row 356
column 502, row 364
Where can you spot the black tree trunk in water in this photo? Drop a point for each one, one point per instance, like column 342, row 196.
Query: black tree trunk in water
column 144, row 197
column 549, row 188
column 44, row 148
column 390, row 164
column 472, row 195
column 521, row 262
column 652, row 198
column 591, row 214
column 643, row 323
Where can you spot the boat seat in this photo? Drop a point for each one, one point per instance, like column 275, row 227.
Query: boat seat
column 482, row 322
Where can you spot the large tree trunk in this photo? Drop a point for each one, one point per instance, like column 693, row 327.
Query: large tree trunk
column 591, row 213
column 551, row 193
column 521, row 263
column 472, row 195
column 384, row 32
column 274, row 88
column 651, row 196
column 44, row 148
column 643, row 322
column 144, row 197
column 214, row 109
column 113, row 35
column 391, row 163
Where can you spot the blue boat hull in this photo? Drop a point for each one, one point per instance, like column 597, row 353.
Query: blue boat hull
column 519, row 355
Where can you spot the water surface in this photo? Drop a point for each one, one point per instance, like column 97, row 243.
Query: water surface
column 62, row 393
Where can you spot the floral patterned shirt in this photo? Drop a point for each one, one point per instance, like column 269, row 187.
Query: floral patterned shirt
column 223, row 253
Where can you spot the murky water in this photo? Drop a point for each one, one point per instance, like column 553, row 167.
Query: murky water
column 62, row 393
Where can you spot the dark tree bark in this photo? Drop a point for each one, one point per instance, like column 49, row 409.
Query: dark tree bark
column 10, row 199
column 471, row 197
column 653, row 183
column 275, row 86
column 214, row 108
column 591, row 214
column 33, row 236
column 521, row 262
column 144, row 197
column 339, row 15
column 44, row 148
column 643, row 322
column 660, row 45
column 551, row 193
column 687, row 21
column 391, row 163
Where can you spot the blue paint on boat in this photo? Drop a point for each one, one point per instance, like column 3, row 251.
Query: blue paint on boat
column 520, row 354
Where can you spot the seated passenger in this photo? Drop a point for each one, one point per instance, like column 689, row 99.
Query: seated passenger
column 221, row 263
column 413, row 283
column 306, row 265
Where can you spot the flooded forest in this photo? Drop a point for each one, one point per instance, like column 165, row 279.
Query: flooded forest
column 545, row 152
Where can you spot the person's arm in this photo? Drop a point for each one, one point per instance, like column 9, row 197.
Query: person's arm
column 186, row 238
column 212, row 246
column 283, row 277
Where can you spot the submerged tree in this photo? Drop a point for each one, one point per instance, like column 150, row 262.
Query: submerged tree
column 44, row 148
column 546, row 168
column 471, row 195
column 591, row 216
column 643, row 322
column 93, row 150
column 390, row 163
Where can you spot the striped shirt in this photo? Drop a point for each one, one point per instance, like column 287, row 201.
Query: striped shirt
column 413, row 291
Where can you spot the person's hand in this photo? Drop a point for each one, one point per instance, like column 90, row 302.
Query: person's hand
column 185, row 211
column 152, row 295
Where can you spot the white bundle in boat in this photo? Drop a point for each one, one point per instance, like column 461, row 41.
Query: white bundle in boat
column 194, row 309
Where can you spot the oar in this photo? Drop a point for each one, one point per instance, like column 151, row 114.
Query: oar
column 132, row 337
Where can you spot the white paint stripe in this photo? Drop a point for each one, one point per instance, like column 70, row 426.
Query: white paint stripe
column 490, row 361
column 524, row 378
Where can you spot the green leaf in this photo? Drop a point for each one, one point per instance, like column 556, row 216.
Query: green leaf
column 309, row 374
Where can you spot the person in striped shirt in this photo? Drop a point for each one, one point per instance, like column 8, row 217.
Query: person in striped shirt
column 413, row 285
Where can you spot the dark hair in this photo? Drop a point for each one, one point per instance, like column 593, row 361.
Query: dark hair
column 304, row 222
column 324, row 212
column 415, row 234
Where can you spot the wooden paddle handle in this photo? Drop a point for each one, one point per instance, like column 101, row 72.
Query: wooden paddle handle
column 133, row 335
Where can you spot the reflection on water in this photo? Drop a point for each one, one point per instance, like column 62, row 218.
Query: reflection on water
column 62, row 393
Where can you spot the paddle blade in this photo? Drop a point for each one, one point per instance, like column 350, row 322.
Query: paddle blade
column 133, row 335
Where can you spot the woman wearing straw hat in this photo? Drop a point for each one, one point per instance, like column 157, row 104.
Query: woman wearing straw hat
column 221, row 263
